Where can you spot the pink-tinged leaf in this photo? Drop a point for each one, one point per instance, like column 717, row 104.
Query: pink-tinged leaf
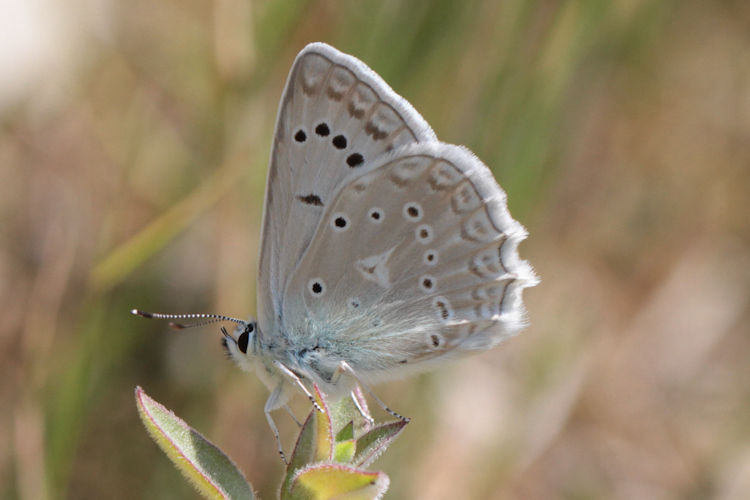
column 329, row 481
column 345, row 410
column 210, row 471
column 324, row 424
column 304, row 449
column 374, row 442
column 314, row 442
column 362, row 403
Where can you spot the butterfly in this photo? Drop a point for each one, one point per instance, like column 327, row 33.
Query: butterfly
column 384, row 252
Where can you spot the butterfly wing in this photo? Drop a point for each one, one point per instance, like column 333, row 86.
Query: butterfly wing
column 415, row 259
column 335, row 117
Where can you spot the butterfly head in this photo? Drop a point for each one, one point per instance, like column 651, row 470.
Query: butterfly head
column 241, row 345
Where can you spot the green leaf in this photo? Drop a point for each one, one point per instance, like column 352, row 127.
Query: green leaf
column 346, row 433
column 375, row 441
column 211, row 472
column 324, row 467
column 328, row 481
column 343, row 451
column 345, row 445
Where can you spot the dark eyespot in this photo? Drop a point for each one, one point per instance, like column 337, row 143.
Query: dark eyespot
column 376, row 214
column 300, row 136
column 430, row 257
column 427, row 283
column 413, row 211
column 316, row 286
column 339, row 142
column 242, row 341
column 355, row 160
column 339, row 222
column 435, row 340
column 322, row 130
column 424, row 234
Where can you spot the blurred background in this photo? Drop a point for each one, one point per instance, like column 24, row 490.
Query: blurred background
column 134, row 139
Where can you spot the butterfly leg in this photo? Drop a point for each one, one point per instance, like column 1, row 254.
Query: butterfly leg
column 296, row 380
column 344, row 368
column 289, row 411
column 272, row 403
column 361, row 406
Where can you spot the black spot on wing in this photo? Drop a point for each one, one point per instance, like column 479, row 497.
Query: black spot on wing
column 310, row 199
column 355, row 160
column 322, row 129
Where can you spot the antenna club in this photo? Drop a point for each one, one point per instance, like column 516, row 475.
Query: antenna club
column 138, row 312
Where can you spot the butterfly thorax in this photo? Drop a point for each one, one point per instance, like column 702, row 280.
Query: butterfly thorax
column 311, row 360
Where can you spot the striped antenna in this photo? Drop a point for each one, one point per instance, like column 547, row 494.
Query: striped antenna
column 210, row 318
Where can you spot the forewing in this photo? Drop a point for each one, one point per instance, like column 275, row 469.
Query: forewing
column 414, row 259
column 336, row 117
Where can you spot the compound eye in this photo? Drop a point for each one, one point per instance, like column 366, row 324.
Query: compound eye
column 242, row 341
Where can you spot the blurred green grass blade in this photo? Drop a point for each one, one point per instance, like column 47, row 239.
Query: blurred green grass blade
column 209, row 470
column 66, row 411
column 276, row 22
column 410, row 34
column 125, row 258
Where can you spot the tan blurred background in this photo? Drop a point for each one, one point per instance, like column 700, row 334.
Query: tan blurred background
column 133, row 153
